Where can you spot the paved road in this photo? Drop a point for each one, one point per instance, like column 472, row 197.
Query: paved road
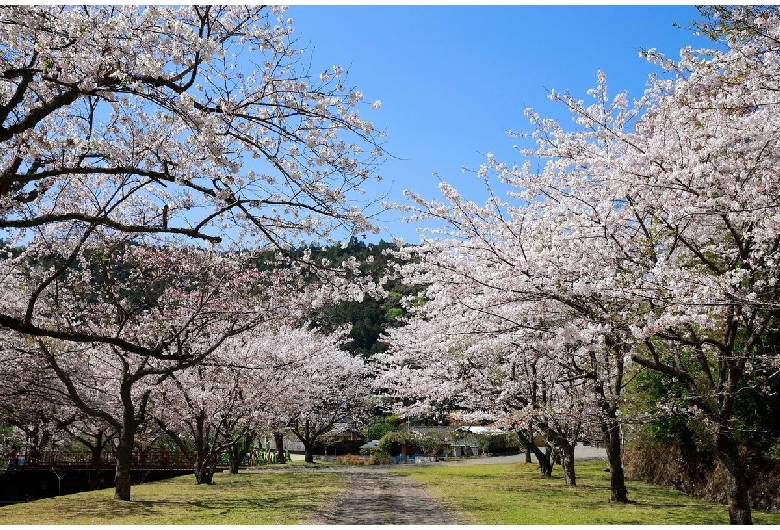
column 581, row 452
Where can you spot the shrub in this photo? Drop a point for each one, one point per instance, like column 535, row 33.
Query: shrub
column 684, row 464
column 390, row 443
column 356, row 460
column 499, row 443
column 375, row 431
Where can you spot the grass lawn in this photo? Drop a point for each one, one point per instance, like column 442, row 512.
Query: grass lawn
column 516, row 494
column 480, row 494
column 278, row 497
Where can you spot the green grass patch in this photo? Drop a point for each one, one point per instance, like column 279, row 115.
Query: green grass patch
column 480, row 494
column 276, row 497
column 517, row 494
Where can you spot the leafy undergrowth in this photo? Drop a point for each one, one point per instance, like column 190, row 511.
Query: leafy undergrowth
column 247, row 498
column 516, row 494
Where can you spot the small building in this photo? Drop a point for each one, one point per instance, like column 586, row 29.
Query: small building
column 342, row 439
column 456, row 442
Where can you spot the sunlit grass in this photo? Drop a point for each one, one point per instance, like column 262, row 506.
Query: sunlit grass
column 480, row 494
column 516, row 494
column 277, row 497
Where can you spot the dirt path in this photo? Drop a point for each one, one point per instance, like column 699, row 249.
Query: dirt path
column 377, row 497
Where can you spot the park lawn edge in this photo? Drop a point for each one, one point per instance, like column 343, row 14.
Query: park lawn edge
column 511, row 494
column 258, row 497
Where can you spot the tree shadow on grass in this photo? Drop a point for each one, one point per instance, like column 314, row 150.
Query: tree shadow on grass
column 103, row 510
column 173, row 511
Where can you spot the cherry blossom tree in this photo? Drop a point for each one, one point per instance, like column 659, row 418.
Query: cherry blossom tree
column 522, row 280
column 225, row 403
column 324, row 387
column 94, row 434
column 276, row 378
column 205, row 410
column 33, row 400
column 712, row 294
column 459, row 355
column 656, row 224
column 193, row 121
column 193, row 300
column 197, row 125
column 696, row 214
column 184, row 303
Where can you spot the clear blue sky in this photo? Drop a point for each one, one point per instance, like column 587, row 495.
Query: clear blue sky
column 453, row 79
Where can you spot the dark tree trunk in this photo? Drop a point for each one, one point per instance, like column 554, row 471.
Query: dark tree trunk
column 238, row 450
column 96, row 450
column 236, row 455
column 545, row 464
column 279, row 441
column 204, row 461
column 567, row 462
column 561, row 448
column 204, row 469
column 124, row 450
column 122, row 479
column 124, row 455
column 555, row 455
column 97, row 456
column 308, row 434
column 737, row 496
column 617, row 480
